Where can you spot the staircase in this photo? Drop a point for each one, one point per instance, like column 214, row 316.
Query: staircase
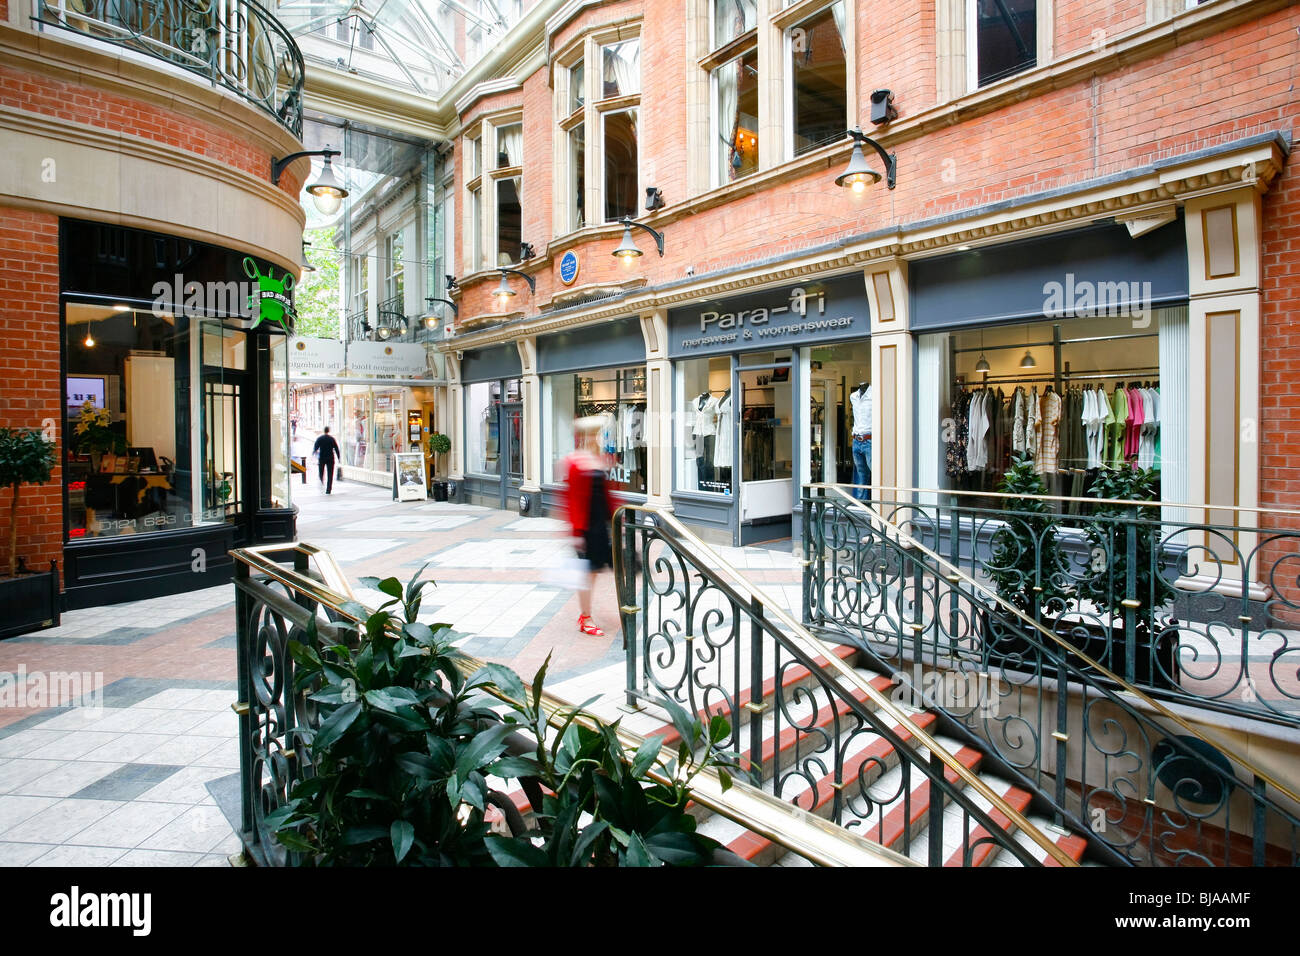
column 850, row 735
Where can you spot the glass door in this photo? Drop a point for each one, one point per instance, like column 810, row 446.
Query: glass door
column 512, row 428
column 765, row 451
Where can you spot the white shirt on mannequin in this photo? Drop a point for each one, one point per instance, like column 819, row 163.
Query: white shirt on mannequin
column 861, row 402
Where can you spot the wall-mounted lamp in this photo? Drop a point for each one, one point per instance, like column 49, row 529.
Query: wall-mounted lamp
column 859, row 175
column 306, row 263
column 326, row 192
column 431, row 321
column 654, row 198
column 627, row 250
column 526, row 251
column 504, row 292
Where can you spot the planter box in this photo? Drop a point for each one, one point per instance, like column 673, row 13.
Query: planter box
column 31, row 602
column 1105, row 645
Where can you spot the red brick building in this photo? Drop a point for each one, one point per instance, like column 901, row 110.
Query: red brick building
column 126, row 171
column 1086, row 196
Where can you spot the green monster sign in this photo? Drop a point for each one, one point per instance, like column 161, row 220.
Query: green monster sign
column 270, row 303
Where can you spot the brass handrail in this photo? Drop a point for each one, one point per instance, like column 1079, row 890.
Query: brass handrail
column 1090, row 501
column 811, row 837
column 1011, row 609
column 773, row 610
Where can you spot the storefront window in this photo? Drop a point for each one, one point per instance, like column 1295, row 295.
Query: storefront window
column 835, row 374
column 130, row 467
column 620, row 394
column 1076, row 395
column 704, row 412
column 356, row 429
column 388, row 428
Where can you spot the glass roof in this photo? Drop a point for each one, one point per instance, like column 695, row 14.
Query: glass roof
column 419, row 45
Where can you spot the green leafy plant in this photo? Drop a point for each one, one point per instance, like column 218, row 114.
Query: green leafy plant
column 439, row 444
column 26, row 458
column 602, row 807
column 1108, row 540
column 1026, row 554
column 401, row 761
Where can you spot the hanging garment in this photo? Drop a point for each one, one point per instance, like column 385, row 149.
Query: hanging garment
column 1021, row 403
column 975, row 426
column 955, row 457
column 1049, row 439
column 725, row 440
column 1133, row 426
column 1116, row 427
column 1094, row 415
column 1033, row 419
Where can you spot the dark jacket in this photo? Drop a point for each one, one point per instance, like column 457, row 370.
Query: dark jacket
column 326, row 448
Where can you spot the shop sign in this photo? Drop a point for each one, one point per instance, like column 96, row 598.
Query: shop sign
column 387, row 359
column 814, row 312
column 312, row 357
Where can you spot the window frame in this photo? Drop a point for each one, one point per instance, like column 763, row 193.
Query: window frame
column 481, row 188
column 586, row 50
column 971, row 20
column 770, row 39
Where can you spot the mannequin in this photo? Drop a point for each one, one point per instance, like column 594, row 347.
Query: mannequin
column 722, row 448
column 861, row 399
column 704, row 430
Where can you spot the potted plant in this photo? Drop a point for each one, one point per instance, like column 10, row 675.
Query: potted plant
column 30, row 599
column 1107, row 585
column 95, row 434
column 1027, row 567
column 439, row 444
column 401, row 761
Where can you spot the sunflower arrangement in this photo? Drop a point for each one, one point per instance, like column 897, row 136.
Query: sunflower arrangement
column 94, row 430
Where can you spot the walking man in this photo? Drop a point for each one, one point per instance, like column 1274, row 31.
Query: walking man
column 327, row 452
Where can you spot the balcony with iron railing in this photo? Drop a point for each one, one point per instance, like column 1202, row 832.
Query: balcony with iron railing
column 237, row 45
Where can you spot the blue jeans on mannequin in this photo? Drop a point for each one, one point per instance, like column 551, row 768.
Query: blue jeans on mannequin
column 862, row 467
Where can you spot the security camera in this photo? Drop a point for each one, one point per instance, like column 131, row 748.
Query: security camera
column 690, row 270
column 459, row 355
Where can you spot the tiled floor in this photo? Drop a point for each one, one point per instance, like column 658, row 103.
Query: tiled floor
column 127, row 778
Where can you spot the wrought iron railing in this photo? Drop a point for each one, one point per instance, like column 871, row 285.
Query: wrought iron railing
column 934, row 598
column 280, row 591
column 236, row 44
column 697, row 633
column 1203, row 613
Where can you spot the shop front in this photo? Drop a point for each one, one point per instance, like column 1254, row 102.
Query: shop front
column 493, row 426
column 771, row 389
column 1071, row 350
column 176, row 427
column 596, row 370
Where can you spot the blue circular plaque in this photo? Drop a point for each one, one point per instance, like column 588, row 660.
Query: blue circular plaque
column 569, row 267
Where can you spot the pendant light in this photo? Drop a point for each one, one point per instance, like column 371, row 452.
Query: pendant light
column 89, row 340
column 1027, row 360
column 982, row 366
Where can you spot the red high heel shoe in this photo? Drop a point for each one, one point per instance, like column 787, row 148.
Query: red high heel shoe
column 587, row 626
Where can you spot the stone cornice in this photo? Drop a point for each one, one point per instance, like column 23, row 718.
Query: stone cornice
column 23, row 122
column 1253, row 162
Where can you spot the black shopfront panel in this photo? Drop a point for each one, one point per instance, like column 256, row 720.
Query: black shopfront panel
column 124, row 545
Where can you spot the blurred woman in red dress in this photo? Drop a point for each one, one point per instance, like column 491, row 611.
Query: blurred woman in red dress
column 590, row 509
